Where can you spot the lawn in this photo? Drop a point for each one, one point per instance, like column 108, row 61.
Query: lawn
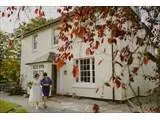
column 6, row 107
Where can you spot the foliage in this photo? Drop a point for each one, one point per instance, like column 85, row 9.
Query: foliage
column 11, row 70
column 10, row 58
column 152, row 21
column 6, row 107
column 16, row 90
column 32, row 24
column 98, row 26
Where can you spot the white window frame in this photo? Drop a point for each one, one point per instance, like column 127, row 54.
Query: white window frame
column 38, row 69
column 54, row 38
column 83, row 84
column 35, row 42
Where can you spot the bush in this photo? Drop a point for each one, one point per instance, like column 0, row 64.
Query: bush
column 3, row 81
column 16, row 90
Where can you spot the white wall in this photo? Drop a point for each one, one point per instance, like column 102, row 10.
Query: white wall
column 66, row 83
column 28, row 55
column 102, row 74
column 139, row 81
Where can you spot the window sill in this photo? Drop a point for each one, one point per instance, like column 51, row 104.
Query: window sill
column 84, row 85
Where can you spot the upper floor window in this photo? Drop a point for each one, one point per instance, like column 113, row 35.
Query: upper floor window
column 87, row 70
column 54, row 40
column 34, row 42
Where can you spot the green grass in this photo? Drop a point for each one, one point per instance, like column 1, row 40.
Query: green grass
column 6, row 107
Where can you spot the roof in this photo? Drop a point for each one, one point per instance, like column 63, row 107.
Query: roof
column 40, row 28
column 49, row 24
column 48, row 57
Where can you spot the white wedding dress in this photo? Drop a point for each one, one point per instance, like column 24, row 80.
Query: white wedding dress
column 35, row 92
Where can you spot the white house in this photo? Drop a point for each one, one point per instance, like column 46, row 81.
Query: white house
column 39, row 47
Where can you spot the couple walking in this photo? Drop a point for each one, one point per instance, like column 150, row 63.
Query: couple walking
column 40, row 90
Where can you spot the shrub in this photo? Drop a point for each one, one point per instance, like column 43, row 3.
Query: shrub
column 16, row 90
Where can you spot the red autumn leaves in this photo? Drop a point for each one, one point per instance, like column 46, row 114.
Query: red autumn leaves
column 75, row 71
column 60, row 64
column 9, row 11
column 85, row 25
column 89, row 51
column 39, row 12
column 135, row 70
column 125, row 54
column 115, row 82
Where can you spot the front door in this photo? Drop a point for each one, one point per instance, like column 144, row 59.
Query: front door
column 54, row 78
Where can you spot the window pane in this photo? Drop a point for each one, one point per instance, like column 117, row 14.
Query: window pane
column 87, row 61
column 88, row 67
column 84, row 61
column 76, row 61
column 93, row 73
column 41, row 66
column 82, row 73
column 56, row 39
column 82, row 79
column 35, row 66
column 93, row 67
column 81, row 67
column 81, row 62
column 88, row 73
column 34, row 43
column 88, row 79
column 92, row 60
column 93, row 79
column 85, row 68
column 85, row 74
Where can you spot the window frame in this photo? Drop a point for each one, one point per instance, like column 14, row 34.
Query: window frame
column 34, row 42
column 84, row 84
column 54, row 38
column 37, row 69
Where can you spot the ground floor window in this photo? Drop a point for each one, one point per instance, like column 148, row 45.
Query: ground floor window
column 86, row 69
column 38, row 68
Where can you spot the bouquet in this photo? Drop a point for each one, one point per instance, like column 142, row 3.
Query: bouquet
column 29, row 84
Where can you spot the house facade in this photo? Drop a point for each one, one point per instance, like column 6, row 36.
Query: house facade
column 39, row 47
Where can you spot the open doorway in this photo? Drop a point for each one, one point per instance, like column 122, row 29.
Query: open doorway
column 54, row 78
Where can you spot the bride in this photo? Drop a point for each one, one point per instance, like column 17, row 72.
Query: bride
column 36, row 92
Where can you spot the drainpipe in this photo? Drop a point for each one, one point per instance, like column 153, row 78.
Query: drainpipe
column 113, row 71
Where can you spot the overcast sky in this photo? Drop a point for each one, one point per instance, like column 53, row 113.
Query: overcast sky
column 9, row 24
column 50, row 12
